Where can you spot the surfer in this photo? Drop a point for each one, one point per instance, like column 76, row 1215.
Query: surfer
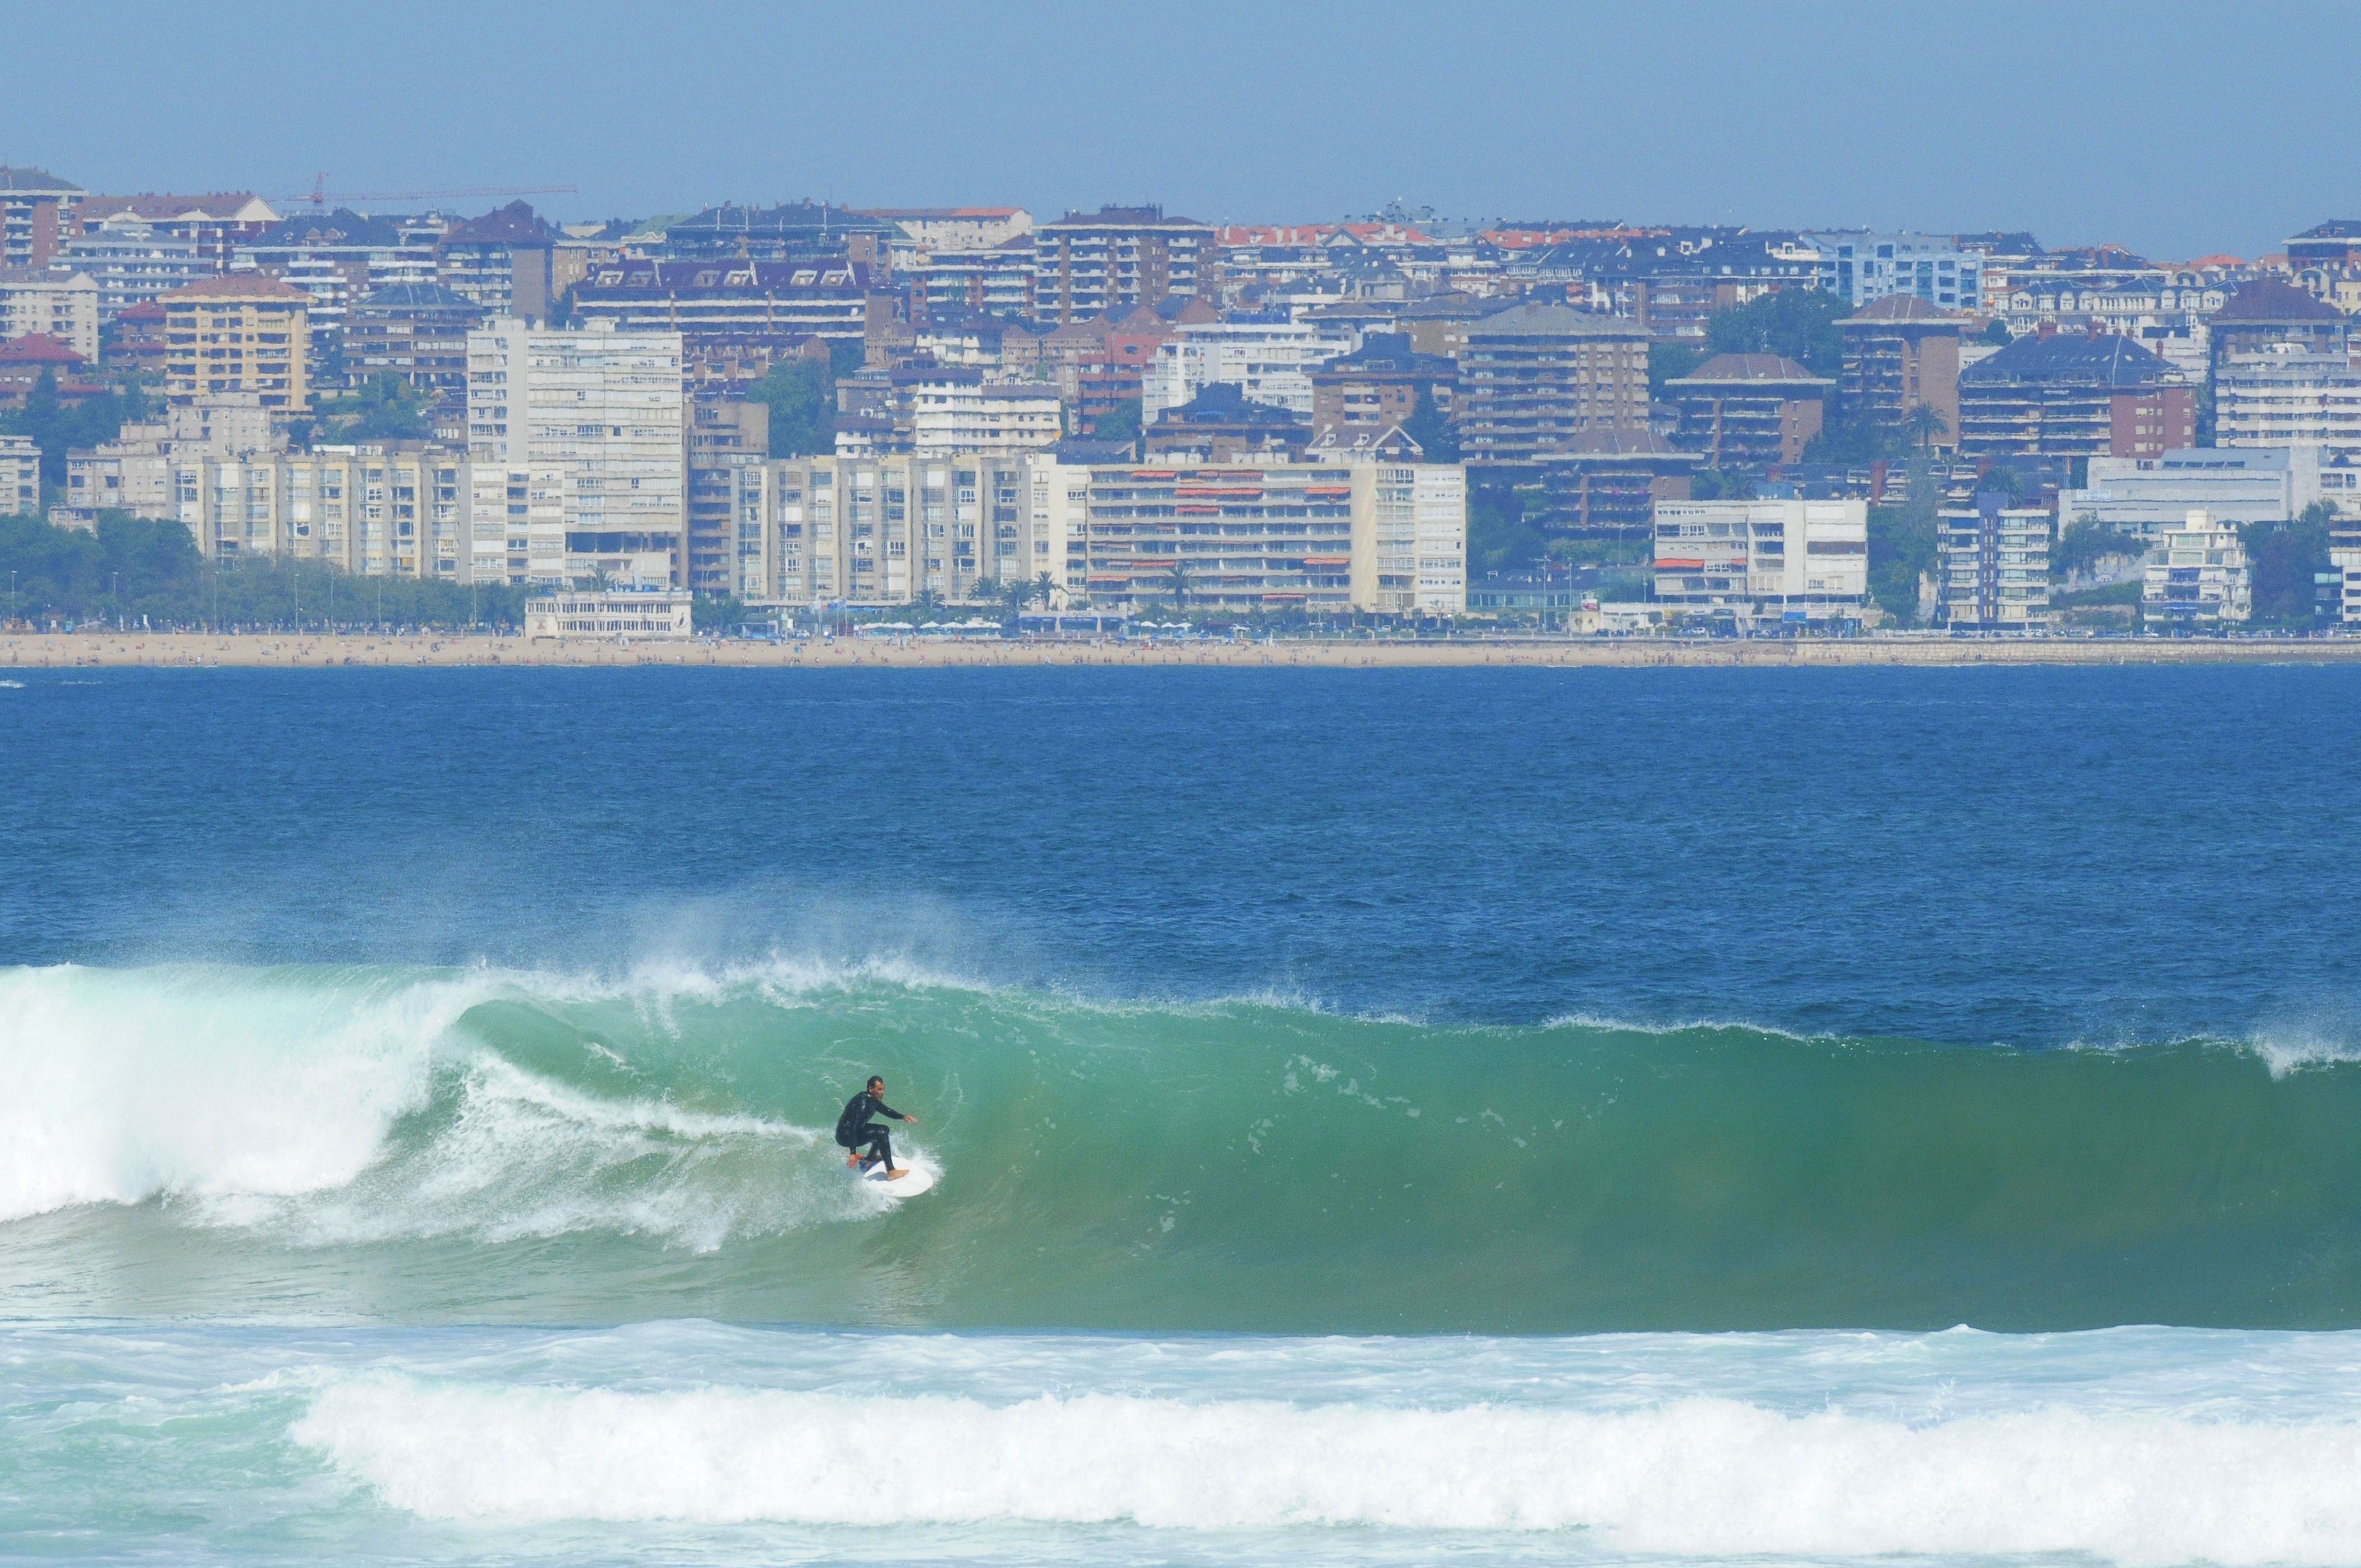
column 854, row 1129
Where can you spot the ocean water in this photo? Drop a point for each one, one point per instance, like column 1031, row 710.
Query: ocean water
column 1589, row 1116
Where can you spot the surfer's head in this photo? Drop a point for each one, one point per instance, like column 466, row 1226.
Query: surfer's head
column 875, row 1084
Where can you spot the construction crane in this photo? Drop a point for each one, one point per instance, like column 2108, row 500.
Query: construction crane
column 320, row 195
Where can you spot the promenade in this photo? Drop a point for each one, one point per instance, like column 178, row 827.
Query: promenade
column 198, row 650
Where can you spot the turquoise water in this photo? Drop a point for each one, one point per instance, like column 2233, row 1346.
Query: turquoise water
column 1671, row 1116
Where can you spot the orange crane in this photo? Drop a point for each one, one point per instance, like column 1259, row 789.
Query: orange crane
column 320, row 195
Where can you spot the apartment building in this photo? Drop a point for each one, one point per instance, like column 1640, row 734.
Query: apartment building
column 1992, row 563
column 884, row 529
column 38, row 213
column 133, row 473
column 922, row 229
column 1900, row 353
column 2145, row 496
column 242, row 332
column 337, row 259
column 953, row 412
column 59, row 305
column 504, row 261
column 1533, row 377
column 416, row 331
column 805, row 232
column 1271, row 362
column 1606, row 483
column 2287, row 396
column 21, row 477
column 1861, row 267
column 1765, row 563
column 2269, row 316
column 132, row 261
column 2197, row 578
column 217, row 222
column 2344, row 556
column 390, row 509
column 1377, row 386
column 2074, row 395
column 833, row 300
column 1327, row 539
column 1085, row 265
column 1749, row 411
column 724, row 433
column 579, row 448
column 996, row 279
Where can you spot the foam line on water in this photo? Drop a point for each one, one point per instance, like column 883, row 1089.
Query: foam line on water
column 1698, row 1476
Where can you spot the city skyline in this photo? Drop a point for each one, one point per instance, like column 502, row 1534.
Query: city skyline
column 2103, row 125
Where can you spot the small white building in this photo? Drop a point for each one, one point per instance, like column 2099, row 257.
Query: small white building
column 632, row 615
column 957, row 416
column 62, row 305
column 1771, row 561
column 2197, row 578
column 1271, row 362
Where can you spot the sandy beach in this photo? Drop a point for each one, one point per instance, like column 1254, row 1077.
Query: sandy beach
column 195, row 650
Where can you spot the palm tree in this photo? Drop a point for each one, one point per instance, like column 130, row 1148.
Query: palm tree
column 1178, row 577
column 1925, row 422
column 1043, row 586
column 926, row 604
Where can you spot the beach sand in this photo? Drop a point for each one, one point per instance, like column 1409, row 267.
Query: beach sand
column 198, row 650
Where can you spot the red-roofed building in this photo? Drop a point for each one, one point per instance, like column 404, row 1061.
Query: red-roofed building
column 134, row 340
column 22, row 361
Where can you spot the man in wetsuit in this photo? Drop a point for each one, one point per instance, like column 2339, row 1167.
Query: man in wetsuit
column 854, row 1129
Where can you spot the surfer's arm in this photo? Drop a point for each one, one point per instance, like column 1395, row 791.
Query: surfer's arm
column 885, row 1110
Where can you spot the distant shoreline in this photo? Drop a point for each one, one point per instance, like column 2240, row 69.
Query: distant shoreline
column 202, row 649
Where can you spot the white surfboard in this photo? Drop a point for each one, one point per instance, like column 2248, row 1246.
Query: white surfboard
column 920, row 1179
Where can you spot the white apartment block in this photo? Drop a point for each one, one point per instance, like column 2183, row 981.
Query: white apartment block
column 2288, row 398
column 132, row 262
column 1332, row 539
column 399, row 509
column 578, row 451
column 62, row 305
column 883, row 530
column 21, row 477
column 134, row 473
column 1271, row 362
column 1993, row 564
column 956, row 416
column 1785, row 561
column 2197, row 576
column 1862, row 268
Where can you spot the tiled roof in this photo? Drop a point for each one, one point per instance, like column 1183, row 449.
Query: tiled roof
column 2109, row 359
column 213, row 206
column 1769, row 368
column 37, row 348
column 512, row 225
column 2268, row 299
column 34, row 180
column 1622, row 441
column 1553, row 321
column 1902, row 308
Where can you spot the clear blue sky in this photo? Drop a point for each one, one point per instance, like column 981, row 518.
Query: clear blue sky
column 2174, row 128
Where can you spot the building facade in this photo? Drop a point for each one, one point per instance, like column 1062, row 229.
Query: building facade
column 132, row 261
column 628, row 615
column 774, row 298
column 1534, row 377
column 2287, row 396
column 2145, row 496
column 503, row 261
column 2074, row 395
column 1377, row 387
column 884, row 529
column 240, row 333
column 1085, row 265
column 1764, row 564
column 1608, row 482
column 578, row 443
column 1861, row 267
column 417, row 332
column 59, row 305
column 38, row 213
column 1992, row 562
column 1271, row 362
column 2197, row 578
column 390, row 510
column 1901, row 353
column 21, row 477
column 1749, row 411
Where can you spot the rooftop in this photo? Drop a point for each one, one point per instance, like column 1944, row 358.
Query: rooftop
column 2104, row 359
column 1225, row 403
column 212, row 206
column 35, row 180
column 1390, row 353
column 1554, row 321
column 37, row 348
column 2269, row 300
column 343, row 227
column 515, row 224
column 1902, row 308
column 417, row 296
column 1760, row 369
column 237, row 286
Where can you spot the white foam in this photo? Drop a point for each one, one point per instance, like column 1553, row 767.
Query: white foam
column 1695, row 1476
column 119, row 1086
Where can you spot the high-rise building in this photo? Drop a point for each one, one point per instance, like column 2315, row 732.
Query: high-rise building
column 1377, row 386
column 215, row 223
column 1533, row 377
column 2074, row 395
column 21, row 477
column 38, row 213
column 414, row 330
column 504, row 261
column 1269, row 362
column 1992, row 562
column 1088, row 264
column 242, row 331
column 394, row 509
column 578, row 438
column 132, row 261
column 337, row 259
column 1749, row 411
column 1901, row 353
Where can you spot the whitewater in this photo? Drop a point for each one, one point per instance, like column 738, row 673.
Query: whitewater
column 1639, row 1117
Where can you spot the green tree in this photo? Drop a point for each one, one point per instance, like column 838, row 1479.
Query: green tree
column 1670, row 362
column 1902, row 541
column 927, row 604
column 1499, row 536
column 1997, row 334
column 1176, row 578
column 387, row 409
column 2285, row 558
column 1798, row 323
column 2085, row 541
column 1044, row 585
column 715, row 612
column 56, row 426
column 1435, row 434
column 801, row 396
column 1121, row 422
column 1923, row 423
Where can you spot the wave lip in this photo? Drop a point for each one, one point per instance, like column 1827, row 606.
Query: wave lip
column 1698, row 1475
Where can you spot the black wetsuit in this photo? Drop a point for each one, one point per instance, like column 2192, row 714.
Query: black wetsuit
column 854, row 1129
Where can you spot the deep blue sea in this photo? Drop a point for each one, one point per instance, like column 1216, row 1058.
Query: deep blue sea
column 1667, row 1115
